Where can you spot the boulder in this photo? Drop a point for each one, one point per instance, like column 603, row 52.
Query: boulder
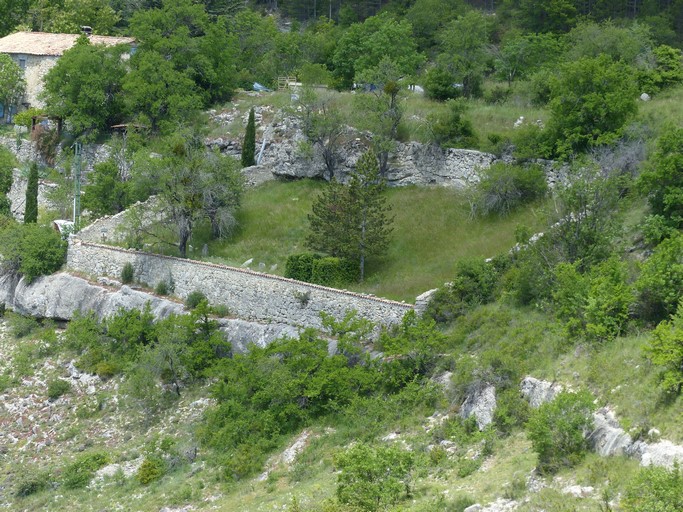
column 480, row 403
column 538, row 392
column 608, row 438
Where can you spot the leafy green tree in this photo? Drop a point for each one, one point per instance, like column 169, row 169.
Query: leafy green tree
column 520, row 56
column 157, row 94
column 439, row 84
column 106, row 193
column 31, row 208
column 464, row 50
column 548, row 15
column 428, row 17
column 365, row 45
column 654, row 489
column 89, row 101
column 504, row 187
column 591, row 101
column 558, row 429
column 193, row 185
column 630, row 44
column 7, row 164
column 382, row 107
column 70, row 15
column 666, row 72
column 373, row 478
column 12, row 84
column 661, row 279
column 180, row 32
column 31, row 250
column 249, row 144
column 13, row 14
column 351, row 221
column 666, row 351
column 662, row 180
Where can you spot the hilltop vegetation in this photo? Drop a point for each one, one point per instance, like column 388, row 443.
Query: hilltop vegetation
column 144, row 413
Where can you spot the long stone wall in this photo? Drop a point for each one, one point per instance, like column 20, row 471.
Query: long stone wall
column 249, row 295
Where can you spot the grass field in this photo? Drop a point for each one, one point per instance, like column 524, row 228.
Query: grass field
column 432, row 231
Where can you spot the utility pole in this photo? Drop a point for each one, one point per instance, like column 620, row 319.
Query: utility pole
column 77, row 186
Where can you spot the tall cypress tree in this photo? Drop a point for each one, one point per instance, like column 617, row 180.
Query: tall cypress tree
column 249, row 146
column 31, row 211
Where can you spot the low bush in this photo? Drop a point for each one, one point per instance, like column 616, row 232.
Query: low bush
column 194, row 299
column 161, row 288
column 79, row 473
column 558, row 429
column 31, row 483
column 449, row 128
column 661, row 280
column 373, row 478
column 57, row 388
column 31, row 250
column 21, row 326
column 655, row 489
column 439, row 84
column 504, row 187
column 666, row 351
column 127, row 273
column 474, row 283
column 151, row 470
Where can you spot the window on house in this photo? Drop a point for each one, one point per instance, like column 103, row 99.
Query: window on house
column 22, row 62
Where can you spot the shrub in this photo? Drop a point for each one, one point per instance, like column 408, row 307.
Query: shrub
column 666, row 351
column 21, row 326
column 151, row 469
column 127, row 273
column 655, row 489
column 439, row 84
column 31, row 483
column 558, row 429
column 46, row 140
column 57, row 388
column 25, row 117
column 300, row 266
column 373, row 478
column 31, row 250
column 161, row 288
column 474, row 283
column 449, row 129
column 504, row 187
column 78, row 474
column 661, row 280
column 194, row 298
column 331, row 271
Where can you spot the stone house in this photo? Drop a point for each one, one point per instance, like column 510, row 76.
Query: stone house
column 37, row 52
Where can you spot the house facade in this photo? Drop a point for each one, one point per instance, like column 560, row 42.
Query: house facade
column 37, row 52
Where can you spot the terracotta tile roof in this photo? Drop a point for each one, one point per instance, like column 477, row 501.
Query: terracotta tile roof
column 41, row 43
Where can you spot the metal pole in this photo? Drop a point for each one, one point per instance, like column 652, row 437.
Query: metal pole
column 77, row 186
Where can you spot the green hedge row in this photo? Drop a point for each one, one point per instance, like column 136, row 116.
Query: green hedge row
column 323, row 270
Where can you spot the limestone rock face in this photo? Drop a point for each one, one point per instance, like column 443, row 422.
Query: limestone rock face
column 663, row 453
column 481, row 404
column 59, row 296
column 538, row 392
column 608, row 438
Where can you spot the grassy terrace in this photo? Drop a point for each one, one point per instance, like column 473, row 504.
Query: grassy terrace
column 432, row 231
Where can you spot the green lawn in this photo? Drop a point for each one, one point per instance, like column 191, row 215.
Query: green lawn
column 431, row 232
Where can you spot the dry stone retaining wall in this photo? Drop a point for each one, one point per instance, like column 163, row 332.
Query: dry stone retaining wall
column 249, row 295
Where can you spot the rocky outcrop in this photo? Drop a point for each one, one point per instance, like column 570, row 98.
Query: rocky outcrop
column 61, row 295
column 537, row 392
column 607, row 437
column 480, row 403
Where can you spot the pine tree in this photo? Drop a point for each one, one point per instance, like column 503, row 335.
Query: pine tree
column 31, row 210
column 352, row 221
column 249, row 146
